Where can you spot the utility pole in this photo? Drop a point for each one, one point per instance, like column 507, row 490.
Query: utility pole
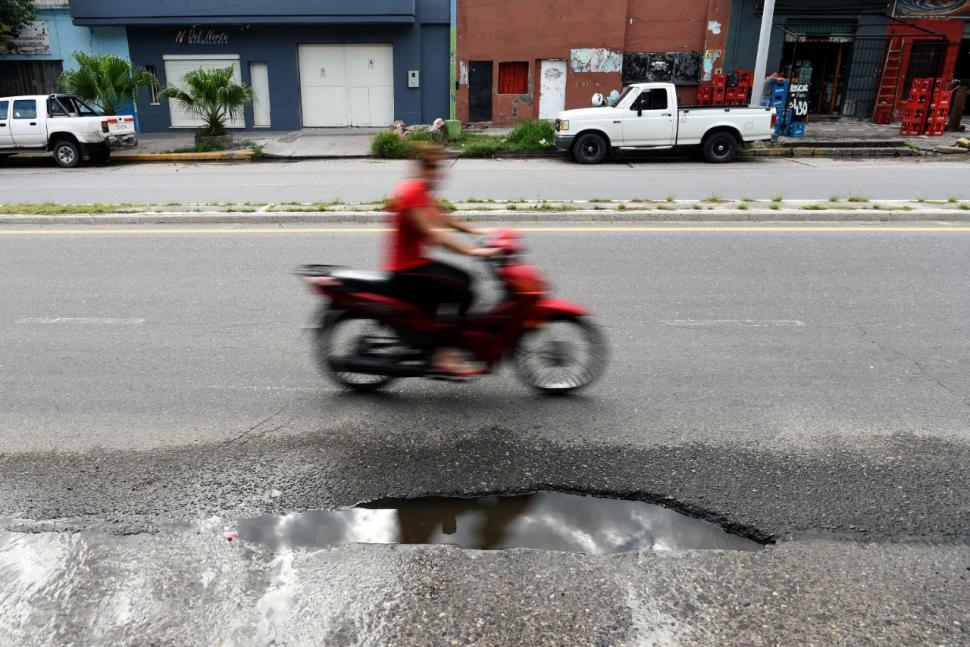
column 764, row 44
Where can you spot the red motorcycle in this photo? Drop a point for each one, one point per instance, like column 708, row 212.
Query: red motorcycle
column 367, row 335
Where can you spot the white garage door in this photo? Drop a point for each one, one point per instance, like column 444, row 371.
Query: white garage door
column 347, row 85
column 176, row 67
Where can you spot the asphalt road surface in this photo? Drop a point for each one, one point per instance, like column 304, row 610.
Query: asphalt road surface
column 803, row 387
column 553, row 179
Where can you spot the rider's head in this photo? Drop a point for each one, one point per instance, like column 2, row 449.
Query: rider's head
column 429, row 157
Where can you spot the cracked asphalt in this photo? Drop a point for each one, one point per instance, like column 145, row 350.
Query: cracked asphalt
column 809, row 390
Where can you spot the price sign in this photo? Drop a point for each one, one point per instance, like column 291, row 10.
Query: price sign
column 798, row 101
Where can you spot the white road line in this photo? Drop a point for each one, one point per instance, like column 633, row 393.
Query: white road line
column 748, row 323
column 96, row 321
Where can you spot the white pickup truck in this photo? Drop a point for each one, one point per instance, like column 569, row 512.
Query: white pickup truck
column 646, row 116
column 63, row 125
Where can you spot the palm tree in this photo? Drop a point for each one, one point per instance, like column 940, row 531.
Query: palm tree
column 213, row 96
column 106, row 80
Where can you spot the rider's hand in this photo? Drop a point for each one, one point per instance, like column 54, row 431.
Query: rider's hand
column 485, row 252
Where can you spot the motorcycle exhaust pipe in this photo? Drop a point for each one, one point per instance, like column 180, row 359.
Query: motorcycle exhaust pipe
column 375, row 366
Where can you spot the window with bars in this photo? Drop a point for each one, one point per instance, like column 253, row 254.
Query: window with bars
column 513, row 78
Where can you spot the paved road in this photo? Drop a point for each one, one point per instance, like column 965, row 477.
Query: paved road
column 806, row 387
column 362, row 180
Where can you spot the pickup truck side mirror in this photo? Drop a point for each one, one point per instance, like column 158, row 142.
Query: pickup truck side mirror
column 639, row 112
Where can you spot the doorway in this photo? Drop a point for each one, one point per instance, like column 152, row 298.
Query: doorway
column 480, row 91
column 824, row 66
column 552, row 89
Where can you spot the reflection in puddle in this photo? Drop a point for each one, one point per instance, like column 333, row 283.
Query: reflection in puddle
column 545, row 520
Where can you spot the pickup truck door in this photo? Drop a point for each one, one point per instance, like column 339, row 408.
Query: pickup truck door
column 651, row 119
column 6, row 139
column 26, row 124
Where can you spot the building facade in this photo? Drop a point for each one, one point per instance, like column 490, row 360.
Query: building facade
column 858, row 56
column 311, row 64
column 46, row 48
column 524, row 60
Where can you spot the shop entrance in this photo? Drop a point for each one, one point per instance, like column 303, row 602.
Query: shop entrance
column 823, row 63
column 962, row 72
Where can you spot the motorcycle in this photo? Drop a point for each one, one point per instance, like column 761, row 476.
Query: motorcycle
column 367, row 335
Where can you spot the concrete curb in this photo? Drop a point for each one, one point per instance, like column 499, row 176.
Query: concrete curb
column 377, row 217
column 822, row 151
column 213, row 156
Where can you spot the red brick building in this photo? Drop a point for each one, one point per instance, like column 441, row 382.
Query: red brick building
column 520, row 60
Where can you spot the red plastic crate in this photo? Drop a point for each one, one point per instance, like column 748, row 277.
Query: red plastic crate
column 719, row 80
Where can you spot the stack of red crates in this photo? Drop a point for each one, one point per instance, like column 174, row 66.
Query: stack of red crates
column 914, row 110
column 717, row 92
column 939, row 111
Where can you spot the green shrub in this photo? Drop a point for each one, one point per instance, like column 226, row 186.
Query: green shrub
column 483, row 148
column 433, row 136
column 533, row 135
column 389, row 145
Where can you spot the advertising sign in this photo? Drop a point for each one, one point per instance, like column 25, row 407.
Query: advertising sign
column 33, row 40
column 932, row 9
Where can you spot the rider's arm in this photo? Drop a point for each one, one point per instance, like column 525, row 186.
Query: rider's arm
column 422, row 219
column 458, row 225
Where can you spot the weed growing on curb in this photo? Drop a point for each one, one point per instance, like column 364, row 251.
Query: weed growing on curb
column 857, row 198
column 714, row 199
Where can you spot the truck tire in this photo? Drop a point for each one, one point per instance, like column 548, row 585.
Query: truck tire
column 720, row 147
column 590, row 148
column 4, row 159
column 67, row 154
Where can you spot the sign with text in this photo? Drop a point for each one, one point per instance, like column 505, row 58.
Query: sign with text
column 201, row 37
column 33, row 40
column 932, row 9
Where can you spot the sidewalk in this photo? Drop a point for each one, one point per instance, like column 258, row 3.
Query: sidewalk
column 295, row 144
column 848, row 133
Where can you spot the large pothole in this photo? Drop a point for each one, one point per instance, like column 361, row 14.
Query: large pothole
column 543, row 521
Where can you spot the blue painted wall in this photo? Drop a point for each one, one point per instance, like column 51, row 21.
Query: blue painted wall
column 67, row 38
column 416, row 47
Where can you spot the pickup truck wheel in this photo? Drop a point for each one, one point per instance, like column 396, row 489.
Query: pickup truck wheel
column 67, row 154
column 4, row 159
column 590, row 148
column 720, row 148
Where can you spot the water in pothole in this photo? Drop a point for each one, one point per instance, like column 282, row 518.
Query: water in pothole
column 545, row 520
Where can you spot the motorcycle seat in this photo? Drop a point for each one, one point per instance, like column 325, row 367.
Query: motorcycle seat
column 369, row 280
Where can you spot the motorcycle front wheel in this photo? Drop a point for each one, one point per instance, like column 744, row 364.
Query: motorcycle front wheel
column 562, row 356
column 349, row 335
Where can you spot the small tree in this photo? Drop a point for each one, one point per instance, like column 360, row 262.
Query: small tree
column 106, row 80
column 213, row 96
column 14, row 14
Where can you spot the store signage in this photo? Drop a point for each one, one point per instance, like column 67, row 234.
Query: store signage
column 201, row 37
column 932, row 9
column 33, row 40
column 798, row 101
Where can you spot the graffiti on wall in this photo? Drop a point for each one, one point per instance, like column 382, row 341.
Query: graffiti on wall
column 681, row 68
column 932, row 9
column 593, row 59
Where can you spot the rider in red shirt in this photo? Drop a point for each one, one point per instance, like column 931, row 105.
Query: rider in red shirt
column 417, row 222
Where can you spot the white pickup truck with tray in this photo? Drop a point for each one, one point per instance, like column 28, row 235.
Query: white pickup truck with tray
column 63, row 125
column 647, row 117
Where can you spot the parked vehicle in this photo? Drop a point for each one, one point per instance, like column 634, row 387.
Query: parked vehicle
column 367, row 335
column 646, row 116
column 64, row 125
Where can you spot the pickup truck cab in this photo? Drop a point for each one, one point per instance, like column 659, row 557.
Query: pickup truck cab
column 646, row 116
column 64, row 125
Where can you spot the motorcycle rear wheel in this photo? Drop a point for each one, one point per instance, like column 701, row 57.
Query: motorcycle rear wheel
column 341, row 334
column 564, row 355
